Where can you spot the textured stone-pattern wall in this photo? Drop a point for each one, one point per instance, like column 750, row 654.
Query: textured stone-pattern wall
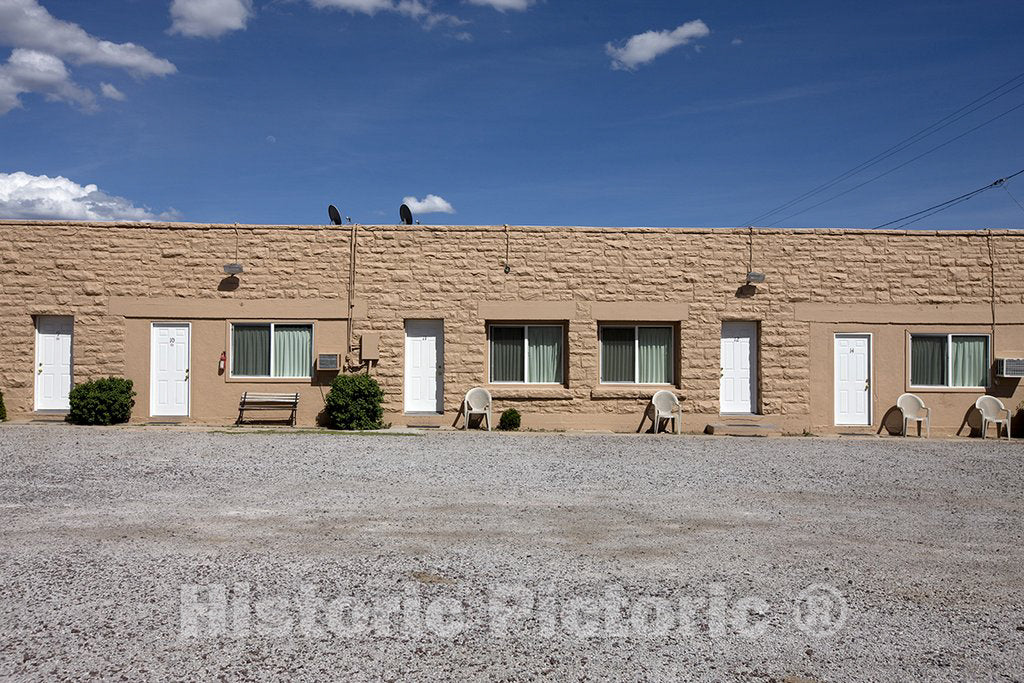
column 74, row 269
column 445, row 272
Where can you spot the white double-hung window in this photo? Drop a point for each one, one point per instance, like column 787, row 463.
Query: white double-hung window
column 283, row 350
column 636, row 354
column 949, row 360
column 528, row 354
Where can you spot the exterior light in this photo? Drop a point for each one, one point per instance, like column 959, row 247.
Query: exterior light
column 755, row 278
column 233, row 269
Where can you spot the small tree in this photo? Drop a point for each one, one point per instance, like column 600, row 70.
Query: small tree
column 101, row 402
column 3, row 410
column 509, row 421
column 354, row 402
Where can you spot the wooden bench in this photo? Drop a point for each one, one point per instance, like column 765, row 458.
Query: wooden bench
column 253, row 401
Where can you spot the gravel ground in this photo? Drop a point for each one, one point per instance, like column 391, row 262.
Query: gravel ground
column 153, row 553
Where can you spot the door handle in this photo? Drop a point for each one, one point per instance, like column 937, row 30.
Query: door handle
column 40, row 371
column 186, row 374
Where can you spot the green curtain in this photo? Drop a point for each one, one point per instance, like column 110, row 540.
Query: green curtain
column 617, row 354
column 655, row 355
column 250, row 351
column 545, row 354
column 927, row 361
column 970, row 361
column 507, row 354
column 293, row 350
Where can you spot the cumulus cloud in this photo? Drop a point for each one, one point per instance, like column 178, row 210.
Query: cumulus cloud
column 429, row 204
column 414, row 9
column 502, row 5
column 32, row 71
column 644, row 47
column 40, row 197
column 209, row 18
column 26, row 24
column 41, row 44
column 111, row 92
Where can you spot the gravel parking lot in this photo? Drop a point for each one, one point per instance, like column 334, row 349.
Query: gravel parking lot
column 169, row 554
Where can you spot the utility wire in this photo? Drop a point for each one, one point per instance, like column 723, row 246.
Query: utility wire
column 1012, row 197
column 932, row 210
column 898, row 167
column 944, row 122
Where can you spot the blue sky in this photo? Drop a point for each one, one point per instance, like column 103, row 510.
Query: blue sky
column 507, row 111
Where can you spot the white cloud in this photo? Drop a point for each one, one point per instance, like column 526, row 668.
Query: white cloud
column 111, row 92
column 31, row 71
column 737, row 41
column 40, row 197
column 644, row 47
column 209, row 18
column 502, row 5
column 414, row 9
column 429, row 204
column 26, row 24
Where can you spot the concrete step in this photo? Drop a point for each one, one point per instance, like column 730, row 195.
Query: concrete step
column 742, row 428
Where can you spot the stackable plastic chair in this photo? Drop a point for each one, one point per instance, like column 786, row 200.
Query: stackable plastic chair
column 914, row 410
column 665, row 405
column 477, row 402
column 993, row 412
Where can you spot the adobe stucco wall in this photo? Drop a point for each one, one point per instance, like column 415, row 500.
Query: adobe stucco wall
column 116, row 279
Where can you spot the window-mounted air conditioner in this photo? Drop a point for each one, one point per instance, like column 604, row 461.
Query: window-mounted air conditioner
column 1010, row 367
column 328, row 361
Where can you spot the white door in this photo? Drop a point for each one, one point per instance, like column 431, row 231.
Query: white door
column 169, row 369
column 853, row 379
column 424, row 366
column 53, row 361
column 738, row 386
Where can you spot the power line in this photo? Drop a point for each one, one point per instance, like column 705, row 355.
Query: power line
column 944, row 122
column 898, row 167
column 949, row 203
column 1012, row 197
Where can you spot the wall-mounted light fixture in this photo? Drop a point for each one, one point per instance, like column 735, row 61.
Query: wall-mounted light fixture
column 233, row 269
column 755, row 278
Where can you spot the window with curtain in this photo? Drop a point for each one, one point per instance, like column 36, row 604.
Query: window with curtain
column 530, row 354
column 636, row 355
column 271, row 350
column 949, row 360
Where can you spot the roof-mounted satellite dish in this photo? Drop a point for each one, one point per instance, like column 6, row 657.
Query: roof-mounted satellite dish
column 335, row 215
column 406, row 213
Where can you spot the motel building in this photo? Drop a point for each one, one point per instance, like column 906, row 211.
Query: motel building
column 576, row 327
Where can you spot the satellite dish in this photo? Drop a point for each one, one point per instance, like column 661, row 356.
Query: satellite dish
column 406, row 213
column 332, row 211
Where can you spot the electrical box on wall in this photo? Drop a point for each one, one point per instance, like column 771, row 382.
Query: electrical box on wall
column 328, row 361
column 369, row 346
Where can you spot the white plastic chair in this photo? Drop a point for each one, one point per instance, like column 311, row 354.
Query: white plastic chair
column 665, row 405
column 991, row 408
column 477, row 402
column 914, row 410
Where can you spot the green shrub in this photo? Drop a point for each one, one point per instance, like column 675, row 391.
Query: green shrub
column 354, row 402
column 101, row 402
column 509, row 421
column 3, row 410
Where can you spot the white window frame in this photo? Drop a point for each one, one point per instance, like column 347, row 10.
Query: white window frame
column 949, row 359
column 636, row 354
column 526, row 352
column 312, row 341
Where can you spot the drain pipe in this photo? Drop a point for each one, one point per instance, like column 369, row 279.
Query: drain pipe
column 351, row 289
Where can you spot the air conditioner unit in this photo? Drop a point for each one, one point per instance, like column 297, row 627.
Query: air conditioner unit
column 328, row 361
column 1010, row 367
